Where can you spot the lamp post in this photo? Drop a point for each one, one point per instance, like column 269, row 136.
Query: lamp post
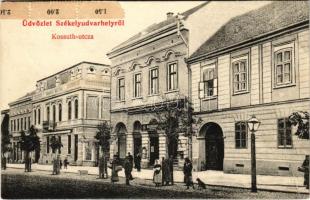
column 253, row 125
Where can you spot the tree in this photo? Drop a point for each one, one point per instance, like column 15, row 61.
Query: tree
column 103, row 137
column 5, row 139
column 55, row 144
column 29, row 142
column 301, row 120
column 174, row 117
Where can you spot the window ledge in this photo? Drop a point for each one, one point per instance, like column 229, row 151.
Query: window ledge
column 172, row 91
column 119, row 101
column 284, row 86
column 209, row 98
column 285, row 147
column 240, row 93
column 135, row 98
column 151, row 95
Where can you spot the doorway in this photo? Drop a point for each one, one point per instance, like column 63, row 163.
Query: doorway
column 76, row 140
column 214, row 146
column 154, row 147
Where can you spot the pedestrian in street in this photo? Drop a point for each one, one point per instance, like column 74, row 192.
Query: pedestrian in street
column 128, row 169
column 157, row 176
column 115, row 168
column 305, row 168
column 130, row 159
column 60, row 164
column 66, row 163
column 187, row 170
column 138, row 162
column 166, row 175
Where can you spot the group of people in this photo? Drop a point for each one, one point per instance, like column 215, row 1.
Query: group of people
column 163, row 173
column 116, row 166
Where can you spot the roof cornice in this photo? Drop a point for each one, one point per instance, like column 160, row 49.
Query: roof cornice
column 251, row 41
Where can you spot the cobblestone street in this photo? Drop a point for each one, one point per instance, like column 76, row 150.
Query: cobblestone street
column 41, row 184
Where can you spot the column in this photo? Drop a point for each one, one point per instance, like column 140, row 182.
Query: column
column 145, row 149
column 162, row 145
column 93, row 152
column 129, row 143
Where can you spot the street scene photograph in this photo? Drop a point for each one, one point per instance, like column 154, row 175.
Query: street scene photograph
column 154, row 99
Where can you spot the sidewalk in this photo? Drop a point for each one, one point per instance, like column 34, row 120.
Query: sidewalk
column 217, row 178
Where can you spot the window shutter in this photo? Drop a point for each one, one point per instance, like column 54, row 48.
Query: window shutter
column 201, row 90
column 215, row 87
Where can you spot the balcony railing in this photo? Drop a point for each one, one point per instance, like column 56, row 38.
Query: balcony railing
column 49, row 126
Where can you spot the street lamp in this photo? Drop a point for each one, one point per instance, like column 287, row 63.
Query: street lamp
column 253, row 125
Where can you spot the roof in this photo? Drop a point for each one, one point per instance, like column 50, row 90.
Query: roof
column 157, row 26
column 86, row 62
column 274, row 16
column 24, row 98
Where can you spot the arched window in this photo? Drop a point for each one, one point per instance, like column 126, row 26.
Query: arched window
column 76, row 109
column 39, row 116
column 69, row 110
column 54, row 113
column 48, row 113
column 59, row 112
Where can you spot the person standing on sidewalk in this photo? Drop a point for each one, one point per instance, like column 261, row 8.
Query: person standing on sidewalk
column 138, row 162
column 157, row 177
column 66, row 163
column 130, row 159
column 166, row 171
column 187, row 170
column 128, row 169
column 305, row 168
column 115, row 168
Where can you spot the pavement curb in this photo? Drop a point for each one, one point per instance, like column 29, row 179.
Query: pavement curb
column 215, row 185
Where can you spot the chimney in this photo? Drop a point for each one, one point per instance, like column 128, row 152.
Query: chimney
column 169, row 15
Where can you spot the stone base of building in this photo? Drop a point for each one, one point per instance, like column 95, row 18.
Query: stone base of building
column 263, row 167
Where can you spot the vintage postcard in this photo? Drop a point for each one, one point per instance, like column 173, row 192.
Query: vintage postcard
column 154, row 99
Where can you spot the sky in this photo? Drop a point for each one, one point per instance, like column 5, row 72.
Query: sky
column 28, row 54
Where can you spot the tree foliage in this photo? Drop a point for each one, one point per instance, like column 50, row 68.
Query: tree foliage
column 103, row 135
column 55, row 143
column 30, row 142
column 301, row 120
column 175, row 117
column 5, row 135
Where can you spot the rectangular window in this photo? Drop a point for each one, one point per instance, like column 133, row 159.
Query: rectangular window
column 283, row 66
column 240, row 75
column 137, row 85
column 284, row 133
column 17, row 124
column 14, row 124
column 29, row 122
column 153, row 81
column 69, row 144
column 172, row 76
column 21, row 124
column 121, row 89
column 47, row 144
column 25, row 123
column 241, row 135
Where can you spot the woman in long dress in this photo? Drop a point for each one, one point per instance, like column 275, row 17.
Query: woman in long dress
column 157, row 178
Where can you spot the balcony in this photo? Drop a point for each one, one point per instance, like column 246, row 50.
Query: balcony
column 49, row 126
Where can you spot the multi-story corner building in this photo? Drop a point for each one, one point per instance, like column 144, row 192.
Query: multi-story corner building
column 149, row 69
column 20, row 120
column 257, row 63
column 69, row 105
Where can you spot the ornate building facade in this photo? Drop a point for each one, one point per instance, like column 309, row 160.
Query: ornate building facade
column 69, row 105
column 20, row 120
column 250, row 67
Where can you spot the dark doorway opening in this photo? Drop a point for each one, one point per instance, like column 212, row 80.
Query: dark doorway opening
column 154, row 147
column 76, row 140
column 214, row 146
